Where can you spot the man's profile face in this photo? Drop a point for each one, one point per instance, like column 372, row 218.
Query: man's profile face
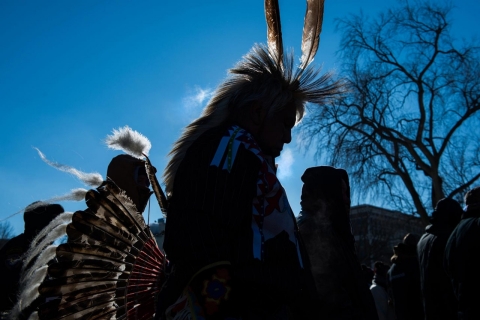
column 277, row 131
column 143, row 181
column 141, row 177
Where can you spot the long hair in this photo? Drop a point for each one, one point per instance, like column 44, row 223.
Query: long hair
column 258, row 78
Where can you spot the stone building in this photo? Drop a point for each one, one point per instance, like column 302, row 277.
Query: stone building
column 158, row 230
column 378, row 230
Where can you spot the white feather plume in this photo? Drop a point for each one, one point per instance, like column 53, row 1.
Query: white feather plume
column 54, row 230
column 27, row 296
column 74, row 195
column 41, row 251
column 93, row 179
column 129, row 141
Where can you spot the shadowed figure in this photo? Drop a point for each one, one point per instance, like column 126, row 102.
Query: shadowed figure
column 129, row 174
column 439, row 301
column 461, row 258
column 228, row 216
column 379, row 292
column 404, row 280
column 12, row 256
column 324, row 225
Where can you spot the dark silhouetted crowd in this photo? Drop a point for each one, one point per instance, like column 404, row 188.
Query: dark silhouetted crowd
column 436, row 276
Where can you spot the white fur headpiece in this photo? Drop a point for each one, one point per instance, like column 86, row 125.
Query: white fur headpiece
column 130, row 141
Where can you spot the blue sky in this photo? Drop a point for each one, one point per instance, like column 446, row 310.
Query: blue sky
column 71, row 71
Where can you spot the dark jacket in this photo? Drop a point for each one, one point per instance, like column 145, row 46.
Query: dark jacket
column 404, row 283
column 439, row 301
column 461, row 263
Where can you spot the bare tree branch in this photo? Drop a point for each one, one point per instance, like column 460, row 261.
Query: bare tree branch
column 6, row 230
column 406, row 127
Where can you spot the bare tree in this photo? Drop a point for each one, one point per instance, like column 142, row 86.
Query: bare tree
column 6, row 230
column 408, row 129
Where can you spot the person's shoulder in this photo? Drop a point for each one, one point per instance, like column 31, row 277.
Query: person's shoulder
column 13, row 250
column 435, row 237
column 15, row 244
column 465, row 235
column 470, row 227
column 221, row 135
column 206, row 143
column 212, row 135
column 426, row 237
column 236, row 142
column 377, row 290
column 467, row 225
column 227, row 147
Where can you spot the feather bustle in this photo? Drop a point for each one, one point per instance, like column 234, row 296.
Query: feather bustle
column 111, row 255
column 76, row 233
column 101, row 251
column 83, row 224
column 75, row 306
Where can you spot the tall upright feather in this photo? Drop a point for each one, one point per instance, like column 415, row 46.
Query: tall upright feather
column 274, row 29
column 311, row 31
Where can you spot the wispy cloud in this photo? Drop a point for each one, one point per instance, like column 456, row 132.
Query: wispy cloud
column 195, row 100
column 285, row 162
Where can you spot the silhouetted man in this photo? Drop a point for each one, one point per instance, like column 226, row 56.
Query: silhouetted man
column 439, row 302
column 461, row 258
column 37, row 216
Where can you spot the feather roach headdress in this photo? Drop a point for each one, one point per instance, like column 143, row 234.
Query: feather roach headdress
column 265, row 75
